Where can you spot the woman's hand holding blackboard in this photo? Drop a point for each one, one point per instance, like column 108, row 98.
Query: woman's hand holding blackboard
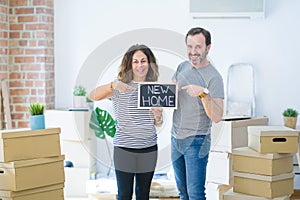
column 157, row 112
column 122, row 87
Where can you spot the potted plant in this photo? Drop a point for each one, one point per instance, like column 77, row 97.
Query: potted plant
column 290, row 117
column 79, row 99
column 103, row 125
column 37, row 119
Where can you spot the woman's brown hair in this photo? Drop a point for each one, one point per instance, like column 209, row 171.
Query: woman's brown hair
column 125, row 74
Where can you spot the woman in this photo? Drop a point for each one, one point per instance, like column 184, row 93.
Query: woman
column 135, row 142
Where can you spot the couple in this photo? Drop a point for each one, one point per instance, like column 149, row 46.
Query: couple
column 200, row 101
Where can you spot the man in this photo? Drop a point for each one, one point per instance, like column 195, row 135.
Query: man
column 200, row 101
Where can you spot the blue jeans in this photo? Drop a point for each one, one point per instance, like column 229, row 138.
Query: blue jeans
column 189, row 159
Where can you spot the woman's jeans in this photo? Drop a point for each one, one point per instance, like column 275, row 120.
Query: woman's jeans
column 138, row 163
column 189, row 159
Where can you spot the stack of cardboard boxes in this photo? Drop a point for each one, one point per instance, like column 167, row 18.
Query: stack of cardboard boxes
column 225, row 136
column 31, row 165
column 264, row 169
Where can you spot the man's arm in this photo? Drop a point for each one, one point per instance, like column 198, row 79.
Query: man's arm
column 213, row 107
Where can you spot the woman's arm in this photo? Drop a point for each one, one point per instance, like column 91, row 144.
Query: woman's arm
column 101, row 92
column 105, row 91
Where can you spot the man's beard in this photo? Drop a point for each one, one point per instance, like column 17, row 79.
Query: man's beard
column 199, row 60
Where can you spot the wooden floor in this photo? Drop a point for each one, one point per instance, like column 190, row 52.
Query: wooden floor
column 296, row 196
column 73, row 198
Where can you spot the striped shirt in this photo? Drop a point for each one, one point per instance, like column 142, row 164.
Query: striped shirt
column 135, row 127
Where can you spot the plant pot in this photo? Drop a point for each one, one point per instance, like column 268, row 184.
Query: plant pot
column 290, row 122
column 37, row 122
column 79, row 101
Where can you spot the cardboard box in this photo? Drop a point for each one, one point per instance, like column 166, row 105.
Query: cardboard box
column 54, row 192
column 230, row 195
column 273, row 139
column 28, row 174
column 245, row 159
column 263, row 186
column 22, row 144
column 219, row 168
column 227, row 135
column 215, row 191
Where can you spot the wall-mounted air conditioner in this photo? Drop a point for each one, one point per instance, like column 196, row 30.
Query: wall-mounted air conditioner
column 227, row 9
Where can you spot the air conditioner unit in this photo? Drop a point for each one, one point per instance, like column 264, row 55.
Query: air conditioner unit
column 227, row 9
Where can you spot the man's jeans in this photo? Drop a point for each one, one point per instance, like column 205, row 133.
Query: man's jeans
column 189, row 158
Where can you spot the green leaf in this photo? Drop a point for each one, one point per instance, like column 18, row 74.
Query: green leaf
column 102, row 123
column 79, row 90
column 290, row 112
column 36, row 109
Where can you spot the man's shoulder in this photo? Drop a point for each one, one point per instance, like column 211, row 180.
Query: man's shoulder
column 186, row 62
column 183, row 64
column 214, row 69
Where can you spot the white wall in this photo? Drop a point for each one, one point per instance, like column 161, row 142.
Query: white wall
column 92, row 35
column 271, row 44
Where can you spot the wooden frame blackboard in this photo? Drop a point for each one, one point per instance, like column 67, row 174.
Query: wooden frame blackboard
column 152, row 94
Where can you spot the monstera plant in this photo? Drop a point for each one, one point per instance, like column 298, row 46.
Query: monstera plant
column 103, row 125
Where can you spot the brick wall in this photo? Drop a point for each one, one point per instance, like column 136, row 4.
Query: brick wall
column 27, row 57
column 3, row 39
column 3, row 46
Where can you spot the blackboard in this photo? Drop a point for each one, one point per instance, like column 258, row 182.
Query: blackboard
column 157, row 95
